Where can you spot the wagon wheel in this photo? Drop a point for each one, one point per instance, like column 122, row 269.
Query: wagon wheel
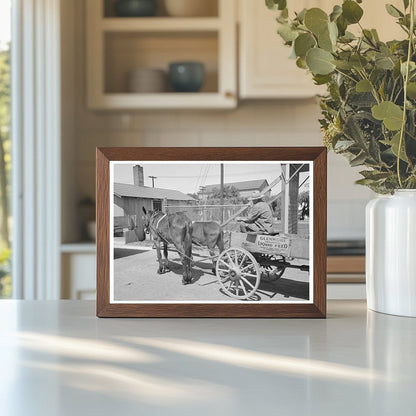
column 238, row 273
column 271, row 267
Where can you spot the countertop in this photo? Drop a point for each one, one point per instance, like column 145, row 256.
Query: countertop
column 57, row 358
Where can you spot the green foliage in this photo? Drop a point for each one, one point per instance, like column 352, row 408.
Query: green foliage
column 5, row 281
column 231, row 196
column 366, row 117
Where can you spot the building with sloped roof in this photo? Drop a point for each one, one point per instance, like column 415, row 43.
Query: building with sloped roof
column 130, row 199
column 245, row 188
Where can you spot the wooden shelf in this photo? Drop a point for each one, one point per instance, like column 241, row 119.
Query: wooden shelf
column 346, row 264
column 80, row 247
column 160, row 24
column 197, row 100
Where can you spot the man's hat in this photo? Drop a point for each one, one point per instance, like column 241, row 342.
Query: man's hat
column 255, row 195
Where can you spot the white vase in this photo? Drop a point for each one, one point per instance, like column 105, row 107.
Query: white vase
column 391, row 253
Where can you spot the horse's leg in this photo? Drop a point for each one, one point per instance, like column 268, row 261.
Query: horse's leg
column 159, row 257
column 187, row 243
column 211, row 249
column 184, row 249
column 166, row 261
column 220, row 244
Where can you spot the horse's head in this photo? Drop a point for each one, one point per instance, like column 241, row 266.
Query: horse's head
column 146, row 219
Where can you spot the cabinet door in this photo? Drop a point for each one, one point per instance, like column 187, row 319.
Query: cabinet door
column 265, row 68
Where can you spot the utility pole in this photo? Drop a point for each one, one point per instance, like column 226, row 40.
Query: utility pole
column 153, row 180
column 222, row 192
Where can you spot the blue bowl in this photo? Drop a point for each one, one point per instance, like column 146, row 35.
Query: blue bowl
column 186, row 76
column 135, row 8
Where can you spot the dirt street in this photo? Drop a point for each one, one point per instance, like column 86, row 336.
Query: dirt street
column 136, row 279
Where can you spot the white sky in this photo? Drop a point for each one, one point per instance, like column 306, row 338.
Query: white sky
column 5, row 20
column 188, row 177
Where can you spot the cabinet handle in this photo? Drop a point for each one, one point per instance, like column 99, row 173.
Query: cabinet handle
column 229, row 94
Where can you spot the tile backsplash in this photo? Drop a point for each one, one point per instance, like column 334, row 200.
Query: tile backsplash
column 257, row 123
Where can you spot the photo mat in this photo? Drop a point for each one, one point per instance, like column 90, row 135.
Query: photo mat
column 274, row 260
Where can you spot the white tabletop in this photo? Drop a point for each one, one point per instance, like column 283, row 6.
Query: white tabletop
column 57, row 358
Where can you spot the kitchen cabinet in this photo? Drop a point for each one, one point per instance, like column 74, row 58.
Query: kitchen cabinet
column 118, row 45
column 265, row 70
column 78, row 263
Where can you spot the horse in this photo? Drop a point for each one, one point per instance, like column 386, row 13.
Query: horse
column 175, row 229
column 209, row 234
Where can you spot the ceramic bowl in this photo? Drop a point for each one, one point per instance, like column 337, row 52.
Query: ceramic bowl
column 191, row 8
column 186, row 76
column 135, row 8
column 147, row 80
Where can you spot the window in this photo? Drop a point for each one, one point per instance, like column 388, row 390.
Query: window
column 157, row 205
column 5, row 145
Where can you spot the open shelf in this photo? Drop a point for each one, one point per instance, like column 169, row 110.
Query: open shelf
column 119, row 45
column 126, row 51
column 160, row 24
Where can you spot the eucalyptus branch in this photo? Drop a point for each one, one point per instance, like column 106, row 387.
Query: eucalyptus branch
column 346, row 75
column 373, row 88
column 406, row 80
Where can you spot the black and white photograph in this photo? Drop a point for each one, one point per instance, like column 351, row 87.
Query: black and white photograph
column 216, row 232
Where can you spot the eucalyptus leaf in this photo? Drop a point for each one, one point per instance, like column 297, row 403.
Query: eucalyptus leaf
column 375, row 35
column 411, row 90
column 301, row 15
column 393, row 11
column 351, row 11
column 388, row 112
column 384, row 62
column 406, row 4
column 320, row 61
column 316, row 20
column 287, row 33
column 336, row 12
column 345, row 65
column 343, row 145
column 325, row 42
column 363, row 86
column 342, row 25
column 374, row 174
column 321, row 79
column 347, row 37
column 301, row 63
column 358, row 160
column 394, row 145
column 358, row 61
column 276, row 4
column 303, row 43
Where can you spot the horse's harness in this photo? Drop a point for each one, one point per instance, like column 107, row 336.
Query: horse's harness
column 154, row 229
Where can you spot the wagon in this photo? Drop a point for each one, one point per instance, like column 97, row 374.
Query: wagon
column 252, row 257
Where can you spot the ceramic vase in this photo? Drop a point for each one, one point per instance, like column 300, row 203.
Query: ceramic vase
column 391, row 253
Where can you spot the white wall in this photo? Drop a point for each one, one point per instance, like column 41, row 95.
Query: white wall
column 256, row 123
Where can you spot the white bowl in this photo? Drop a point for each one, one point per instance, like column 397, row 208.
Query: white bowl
column 191, row 8
column 147, row 80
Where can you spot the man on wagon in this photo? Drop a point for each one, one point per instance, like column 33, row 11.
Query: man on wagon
column 260, row 217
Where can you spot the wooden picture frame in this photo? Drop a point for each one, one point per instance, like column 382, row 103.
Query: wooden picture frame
column 312, row 160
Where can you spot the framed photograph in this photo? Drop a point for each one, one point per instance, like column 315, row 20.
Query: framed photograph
column 211, row 232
